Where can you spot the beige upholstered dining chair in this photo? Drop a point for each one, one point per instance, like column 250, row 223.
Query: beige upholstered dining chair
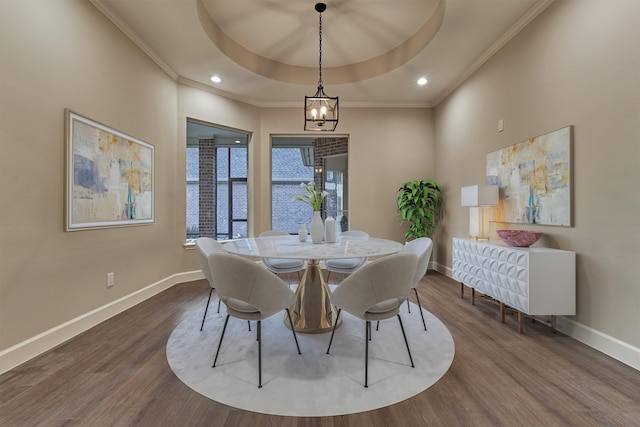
column 250, row 292
column 422, row 248
column 282, row 265
column 375, row 292
column 346, row 265
column 205, row 247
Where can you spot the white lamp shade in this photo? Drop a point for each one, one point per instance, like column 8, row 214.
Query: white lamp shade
column 479, row 195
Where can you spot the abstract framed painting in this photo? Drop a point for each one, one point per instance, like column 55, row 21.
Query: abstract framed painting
column 535, row 179
column 109, row 176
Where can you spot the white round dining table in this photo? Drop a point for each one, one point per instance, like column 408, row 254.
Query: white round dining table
column 312, row 311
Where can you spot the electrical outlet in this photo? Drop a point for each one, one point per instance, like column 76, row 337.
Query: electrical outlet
column 110, row 279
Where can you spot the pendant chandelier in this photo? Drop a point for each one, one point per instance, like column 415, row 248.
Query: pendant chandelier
column 320, row 110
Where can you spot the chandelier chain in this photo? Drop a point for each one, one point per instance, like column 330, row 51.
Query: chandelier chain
column 320, row 58
column 320, row 110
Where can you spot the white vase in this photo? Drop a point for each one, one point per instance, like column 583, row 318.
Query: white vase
column 302, row 233
column 317, row 228
column 330, row 230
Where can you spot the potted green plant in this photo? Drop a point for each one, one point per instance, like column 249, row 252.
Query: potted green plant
column 419, row 204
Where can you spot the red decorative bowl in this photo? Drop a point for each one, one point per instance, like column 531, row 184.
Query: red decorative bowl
column 519, row 238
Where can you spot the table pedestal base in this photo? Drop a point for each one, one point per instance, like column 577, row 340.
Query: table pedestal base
column 312, row 312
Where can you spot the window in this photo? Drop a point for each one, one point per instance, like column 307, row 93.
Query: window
column 217, row 197
column 334, row 171
column 291, row 164
column 304, row 159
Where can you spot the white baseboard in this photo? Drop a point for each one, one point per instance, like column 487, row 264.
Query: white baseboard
column 34, row 346
column 604, row 343
column 447, row 271
column 28, row 349
column 611, row 346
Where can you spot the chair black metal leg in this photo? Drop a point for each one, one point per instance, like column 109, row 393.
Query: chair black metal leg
column 206, row 308
column 366, row 354
column 377, row 325
column 293, row 330
column 334, row 329
column 405, row 341
column 369, row 331
column 224, row 328
column 249, row 325
column 409, row 305
column 420, row 307
column 259, row 355
column 219, row 301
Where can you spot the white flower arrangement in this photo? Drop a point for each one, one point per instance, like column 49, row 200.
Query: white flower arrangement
column 311, row 196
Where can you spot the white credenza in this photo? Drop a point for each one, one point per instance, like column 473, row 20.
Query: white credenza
column 533, row 281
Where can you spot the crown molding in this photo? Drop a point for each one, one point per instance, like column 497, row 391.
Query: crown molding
column 292, row 104
column 133, row 36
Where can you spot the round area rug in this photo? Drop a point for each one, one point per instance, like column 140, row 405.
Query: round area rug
column 315, row 383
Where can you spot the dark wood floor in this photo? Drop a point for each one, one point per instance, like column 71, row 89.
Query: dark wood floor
column 117, row 374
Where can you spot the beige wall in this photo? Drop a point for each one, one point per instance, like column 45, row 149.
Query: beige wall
column 577, row 64
column 194, row 103
column 379, row 140
column 57, row 55
column 387, row 146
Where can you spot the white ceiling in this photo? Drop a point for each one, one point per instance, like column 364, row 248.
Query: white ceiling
column 373, row 51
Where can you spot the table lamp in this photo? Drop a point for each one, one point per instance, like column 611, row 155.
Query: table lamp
column 477, row 197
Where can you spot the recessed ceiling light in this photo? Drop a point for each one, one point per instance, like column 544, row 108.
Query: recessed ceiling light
column 422, row 81
column 237, row 141
column 216, row 79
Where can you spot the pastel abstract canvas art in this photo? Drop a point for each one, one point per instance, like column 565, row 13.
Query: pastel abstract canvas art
column 534, row 177
column 109, row 176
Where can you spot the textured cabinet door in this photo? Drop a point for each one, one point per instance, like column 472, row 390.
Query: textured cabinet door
column 536, row 281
